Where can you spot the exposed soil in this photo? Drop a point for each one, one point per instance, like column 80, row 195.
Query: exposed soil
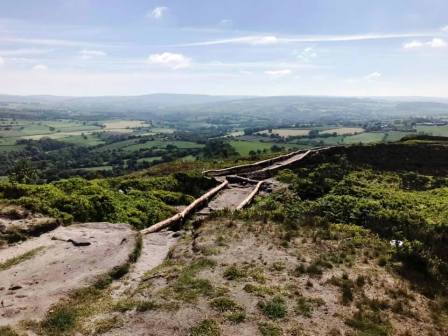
column 263, row 267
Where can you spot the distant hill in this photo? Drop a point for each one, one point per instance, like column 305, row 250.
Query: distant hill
column 279, row 108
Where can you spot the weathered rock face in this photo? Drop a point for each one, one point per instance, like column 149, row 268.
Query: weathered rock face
column 17, row 223
column 57, row 263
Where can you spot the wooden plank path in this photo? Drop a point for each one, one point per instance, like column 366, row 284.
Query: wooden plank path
column 236, row 195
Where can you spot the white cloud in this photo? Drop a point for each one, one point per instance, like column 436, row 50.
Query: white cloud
column 413, row 45
column 226, row 22
column 263, row 40
column 445, row 29
column 270, row 39
column 2, row 61
column 88, row 54
column 40, row 67
column 437, row 43
column 278, row 73
column 158, row 12
column 373, row 76
column 307, row 54
column 170, row 60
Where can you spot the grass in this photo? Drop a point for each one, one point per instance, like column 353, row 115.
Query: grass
column 244, row 147
column 7, row 331
column 369, row 323
column 187, row 286
column 433, row 130
column 343, row 130
column 98, row 168
column 60, row 320
column 104, row 325
column 258, row 290
column 303, row 307
column 146, row 305
column 274, row 308
column 205, row 328
column 133, row 145
column 236, row 317
column 123, row 125
column 224, row 304
column 234, row 273
column 86, row 140
column 368, row 137
column 21, row 258
column 269, row 329
column 149, row 159
column 37, row 129
column 286, row 132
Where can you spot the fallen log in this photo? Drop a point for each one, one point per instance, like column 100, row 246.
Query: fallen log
column 251, row 196
column 180, row 217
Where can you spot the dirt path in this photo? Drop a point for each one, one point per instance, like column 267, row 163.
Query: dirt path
column 71, row 257
column 235, row 193
column 228, row 198
column 55, row 266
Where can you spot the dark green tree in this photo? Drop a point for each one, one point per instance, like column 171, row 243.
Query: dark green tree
column 23, row 172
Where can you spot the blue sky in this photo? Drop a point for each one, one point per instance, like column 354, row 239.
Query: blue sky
column 247, row 47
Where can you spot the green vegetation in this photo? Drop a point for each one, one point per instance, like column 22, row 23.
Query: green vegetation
column 188, row 287
column 21, row 258
column 224, row 304
column 7, row 331
column 206, row 328
column 234, row 273
column 236, row 317
column 269, row 329
column 244, row 148
column 274, row 308
column 404, row 206
column 140, row 201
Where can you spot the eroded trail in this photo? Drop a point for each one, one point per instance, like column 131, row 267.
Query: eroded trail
column 228, row 198
column 41, row 271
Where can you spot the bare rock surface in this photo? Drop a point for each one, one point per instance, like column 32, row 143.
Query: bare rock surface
column 156, row 247
column 65, row 259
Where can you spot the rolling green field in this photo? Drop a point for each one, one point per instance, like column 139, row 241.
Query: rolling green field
column 150, row 159
column 133, row 145
column 86, row 140
column 244, row 147
column 161, row 144
column 433, row 130
column 72, row 131
column 364, row 138
column 99, row 168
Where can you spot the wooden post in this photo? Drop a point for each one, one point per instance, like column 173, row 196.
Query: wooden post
column 179, row 217
column 249, row 198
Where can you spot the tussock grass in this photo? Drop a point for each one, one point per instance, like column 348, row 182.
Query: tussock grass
column 274, row 308
column 206, row 328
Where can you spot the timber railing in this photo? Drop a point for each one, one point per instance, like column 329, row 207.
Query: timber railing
column 181, row 216
column 250, row 166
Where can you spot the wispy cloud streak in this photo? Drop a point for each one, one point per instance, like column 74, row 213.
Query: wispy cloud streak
column 271, row 39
